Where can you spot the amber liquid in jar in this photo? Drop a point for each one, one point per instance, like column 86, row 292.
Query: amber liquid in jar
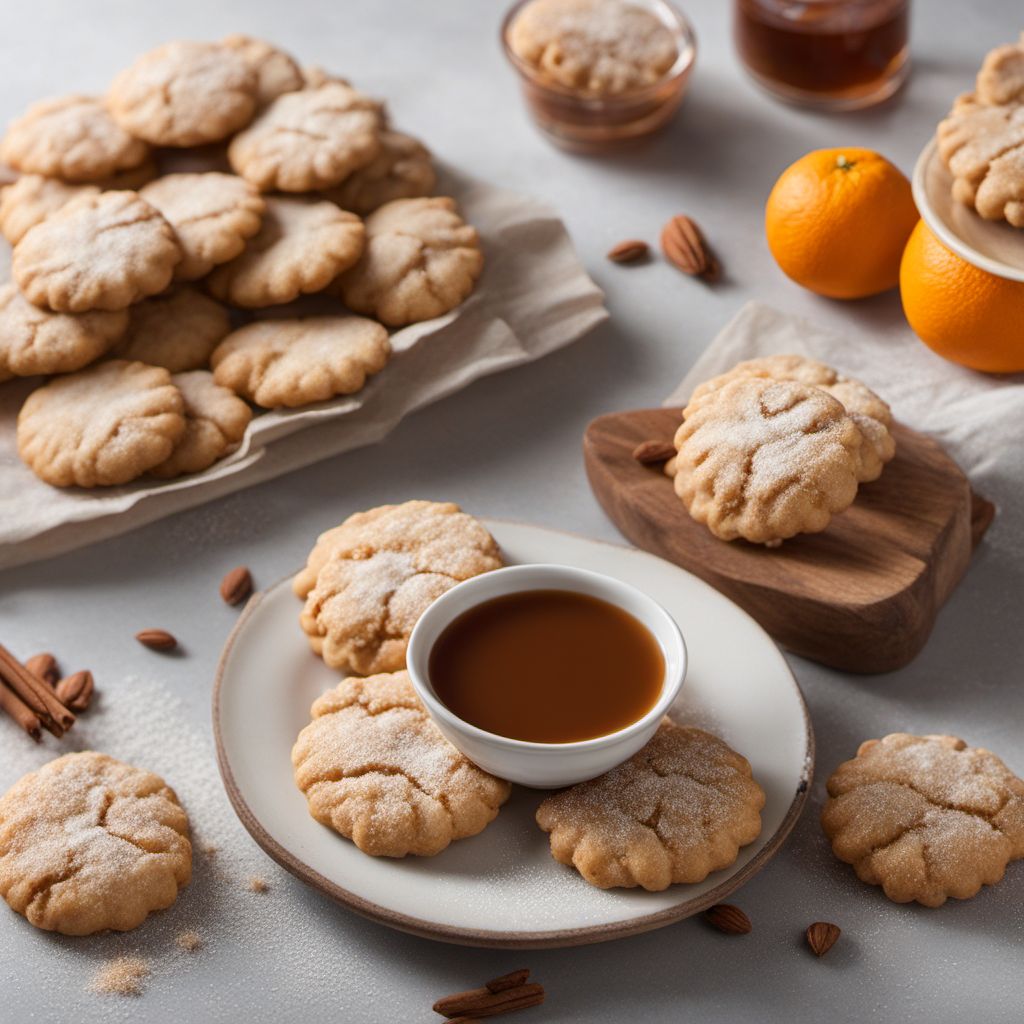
column 838, row 54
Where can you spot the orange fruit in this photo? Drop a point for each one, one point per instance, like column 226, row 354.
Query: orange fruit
column 965, row 314
column 837, row 221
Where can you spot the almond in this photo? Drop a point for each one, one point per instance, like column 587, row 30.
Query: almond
column 632, row 250
column 75, row 691
column 728, row 919
column 649, row 452
column 44, row 666
column 822, row 936
column 156, row 639
column 683, row 245
column 236, row 585
column 506, row 981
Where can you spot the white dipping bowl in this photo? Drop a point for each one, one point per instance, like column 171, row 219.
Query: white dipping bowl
column 545, row 765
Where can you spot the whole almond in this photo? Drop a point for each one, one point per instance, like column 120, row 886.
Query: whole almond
column 510, row 980
column 44, row 666
column 156, row 639
column 236, row 585
column 822, row 936
column 684, row 246
column 632, row 250
column 728, row 919
column 75, row 691
column 649, row 452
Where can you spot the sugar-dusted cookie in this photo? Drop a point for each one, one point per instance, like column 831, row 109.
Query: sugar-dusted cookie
column 276, row 71
column 605, row 47
column 215, row 422
column 765, row 460
column 73, row 138
column 185, row 94
column 177, row 330
column 925, row 817
column 313, row 76
column 308, row 140
column 872, row 416
column 301, row 247
column 421, row 260
column 377, row 573
column 37, row 341
column 677, row 810
column 104, row 425
column 101, row 251
column 401, row 170
column 212, row 215
column 1000, row 196
column 1001, row 78
column 375, row 768
column 88, row 843
column 31, row 199
column 300, row 361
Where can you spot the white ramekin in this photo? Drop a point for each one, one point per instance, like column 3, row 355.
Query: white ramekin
column 545, row 765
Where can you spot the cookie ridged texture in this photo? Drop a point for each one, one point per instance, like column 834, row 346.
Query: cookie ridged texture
column 101, row 251
column 307, row 140
column 88, row 843
column 185, row 94
column 276, row 71
column 368, row 581
column 290, row 363
column 421, row 260
column 38, row 341
column 375, row 768
column 31, row 199
column 765, row 460
column 101, row 426
column 925, row 817
column 677, row 810
column 1001, row 78
column 73, row 138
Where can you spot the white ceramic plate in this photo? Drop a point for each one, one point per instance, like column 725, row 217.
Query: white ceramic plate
column 994, row 246
column 502, row 888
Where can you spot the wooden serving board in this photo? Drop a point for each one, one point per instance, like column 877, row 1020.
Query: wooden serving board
column 861, row 596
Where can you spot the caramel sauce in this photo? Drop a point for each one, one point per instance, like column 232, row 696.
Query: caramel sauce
column 549, row 666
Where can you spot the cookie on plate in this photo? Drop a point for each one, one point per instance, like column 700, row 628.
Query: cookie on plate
column 101, row 251
column 925, row 817
column 421, row 260
column 177, row 330
column 276, row 71
column 1001, row 78
column 104, row 425
column 369, row 580
column 31, row 199
column 677, row 810
column 375, row 768
column 73, row 138
column 37, row 341
column 301, row 247
column 212, row 216
column 297, row 362
column 401, row 170
column 185, row 94
column 765, row 460
column 215, row 422
column 307, row 140
column 88, row 844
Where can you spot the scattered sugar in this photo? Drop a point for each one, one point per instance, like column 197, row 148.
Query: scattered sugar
column 189, row 941
column 258, row 884
column 123, row 976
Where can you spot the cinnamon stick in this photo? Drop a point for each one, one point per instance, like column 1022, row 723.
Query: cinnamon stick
column 14, row 706
column 41, row 700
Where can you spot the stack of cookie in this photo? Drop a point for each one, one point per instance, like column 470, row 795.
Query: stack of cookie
column 129, row 276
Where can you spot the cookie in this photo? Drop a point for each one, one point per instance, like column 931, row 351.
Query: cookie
column 313, row 76
column 1001, row 78
column 377, row 573
column 765, row 460
column 88, row 844
column 401, row 170
column 676, row 811
column 276, row 72
column 101, row 251
column 31, row 199
column 925, row 817
column 300, row 248
column 1000, row 196
column 215, row 422
column 421, row 260
column 872, row 416
column 36, row 341
column 297, row 362
column 212, row 216
column 375, row 768
column 603, row 47
column 185, row 94
column 73, row 138
column 307, row 140
column 101, row 426
column 177, row 330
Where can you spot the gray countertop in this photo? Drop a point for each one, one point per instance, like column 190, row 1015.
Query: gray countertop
column 510, row 446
